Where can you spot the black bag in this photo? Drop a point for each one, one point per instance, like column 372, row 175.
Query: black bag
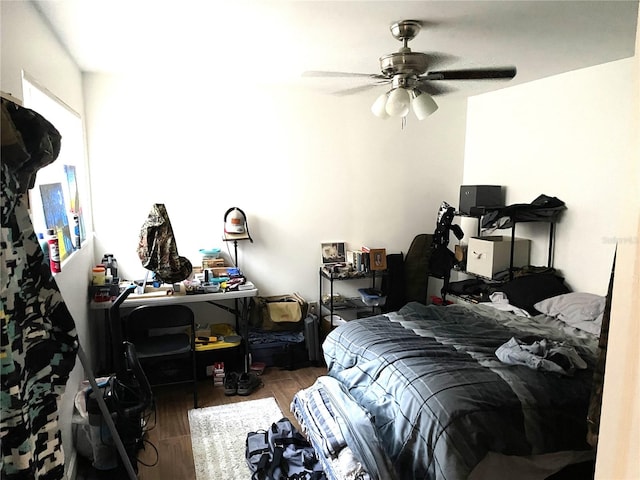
column 416, row 268
column 471, row 286
column 393, row 286
column 281, row 453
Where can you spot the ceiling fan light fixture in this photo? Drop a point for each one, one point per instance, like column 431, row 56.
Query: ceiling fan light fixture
column 379, row 106
column 423, row 104
column 398, row 102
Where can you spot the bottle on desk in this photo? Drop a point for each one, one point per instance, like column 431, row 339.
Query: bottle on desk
column 54, row 251
column 98, row 275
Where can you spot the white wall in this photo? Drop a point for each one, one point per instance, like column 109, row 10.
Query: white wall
column 306, row 168
column 27, row 44
column 568, row 136
column 577, row 136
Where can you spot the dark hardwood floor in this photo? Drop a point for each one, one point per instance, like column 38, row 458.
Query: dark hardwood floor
column 171, row 437
column 172, row 440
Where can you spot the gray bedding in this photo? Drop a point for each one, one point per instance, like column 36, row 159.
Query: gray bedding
column 440, row 399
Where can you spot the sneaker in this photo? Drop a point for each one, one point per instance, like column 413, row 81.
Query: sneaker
column 247, row 383
column 230, row 383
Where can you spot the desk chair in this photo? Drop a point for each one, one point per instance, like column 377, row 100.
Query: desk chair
column 164, row 337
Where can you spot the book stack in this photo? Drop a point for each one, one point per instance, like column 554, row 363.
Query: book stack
column 218, row 374
column 359, row 260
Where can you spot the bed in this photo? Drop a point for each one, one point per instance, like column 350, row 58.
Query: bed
column 421, row 393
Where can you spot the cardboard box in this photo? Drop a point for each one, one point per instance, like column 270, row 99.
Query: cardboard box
column 487, row 256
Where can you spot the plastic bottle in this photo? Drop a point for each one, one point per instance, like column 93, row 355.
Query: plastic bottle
column 44, row 246
column 54, row 251
column 98, row 274
column 109, row 261
column 76, row 233
column 108, row 278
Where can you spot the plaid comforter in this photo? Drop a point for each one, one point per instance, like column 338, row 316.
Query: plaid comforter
column 440, row 399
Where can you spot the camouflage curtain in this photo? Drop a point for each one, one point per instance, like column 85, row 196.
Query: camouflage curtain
column 157, row 248
column 38, row 337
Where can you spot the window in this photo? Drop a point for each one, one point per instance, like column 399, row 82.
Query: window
column 61, row 190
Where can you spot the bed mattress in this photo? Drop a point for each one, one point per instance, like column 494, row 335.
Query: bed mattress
column 439, row 400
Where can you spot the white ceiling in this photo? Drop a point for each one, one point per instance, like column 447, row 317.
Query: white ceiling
column 261, row 41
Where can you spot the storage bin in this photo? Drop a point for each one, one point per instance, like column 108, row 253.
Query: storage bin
column 372, row 297
column 287, row 355
column 487, row 256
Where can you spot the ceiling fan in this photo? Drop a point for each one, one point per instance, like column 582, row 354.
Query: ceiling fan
column 412, row 83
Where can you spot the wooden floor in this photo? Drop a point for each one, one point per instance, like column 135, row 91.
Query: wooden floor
column 171, row 435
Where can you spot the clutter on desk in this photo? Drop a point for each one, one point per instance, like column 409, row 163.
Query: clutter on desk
column 214, row 275
column 110, row 263
column 105, row 283
column 211, row 258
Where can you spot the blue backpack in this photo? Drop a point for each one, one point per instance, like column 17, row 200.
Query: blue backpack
column 282, row 453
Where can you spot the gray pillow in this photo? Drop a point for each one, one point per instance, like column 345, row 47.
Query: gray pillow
column 579, row 309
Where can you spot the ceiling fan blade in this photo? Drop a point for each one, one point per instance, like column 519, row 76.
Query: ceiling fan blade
column 361, row 88
column 473, row 74
column 321, row 73
column 440, row 60
column 434, row 89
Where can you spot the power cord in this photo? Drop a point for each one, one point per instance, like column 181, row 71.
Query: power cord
column 155, row 449
column 231, row 257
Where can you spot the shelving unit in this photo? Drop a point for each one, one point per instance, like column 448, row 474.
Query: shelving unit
column 551, row 223
column 351, row 308
column 550, row 246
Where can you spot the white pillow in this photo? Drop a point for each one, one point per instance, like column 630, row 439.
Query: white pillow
column 573, row 308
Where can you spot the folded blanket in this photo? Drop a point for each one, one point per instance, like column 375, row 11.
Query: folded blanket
column 260, row 337
column 541, row 355
column 313, row 411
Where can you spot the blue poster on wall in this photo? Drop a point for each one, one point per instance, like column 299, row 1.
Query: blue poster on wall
column 55, row 215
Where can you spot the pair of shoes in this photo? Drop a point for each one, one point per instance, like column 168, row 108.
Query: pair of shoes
column 230, row 383
column 247, row 383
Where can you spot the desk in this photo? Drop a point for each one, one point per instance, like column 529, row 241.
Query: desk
column 137, row 300
column 241, row 310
